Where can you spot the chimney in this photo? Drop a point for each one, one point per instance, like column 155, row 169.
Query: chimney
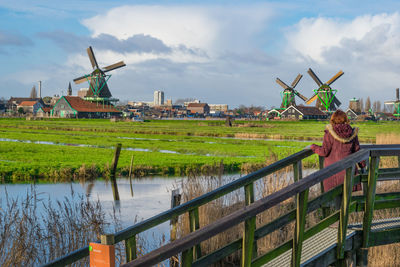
column 40, row 89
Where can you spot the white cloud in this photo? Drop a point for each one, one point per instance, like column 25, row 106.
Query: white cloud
column 207, row 28
column 364, row 36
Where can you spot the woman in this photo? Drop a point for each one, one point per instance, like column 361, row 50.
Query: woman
column 340, row 140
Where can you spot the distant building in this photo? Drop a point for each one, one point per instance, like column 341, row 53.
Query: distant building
column 30, row 107
column 218, row 107
column 69, row 91
column 76, row 107
column 274, row 114
column 355, row 106
column 44, row 112
column 83, row 92
column 303, row 113
column 169, row 102
column 13, row 102
column 192, row 101
column 198, row 108
column 158, row 98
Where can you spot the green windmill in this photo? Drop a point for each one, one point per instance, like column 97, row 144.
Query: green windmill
column 97, row 79
column 288, row 94
column 396, row 104
column 325, row 95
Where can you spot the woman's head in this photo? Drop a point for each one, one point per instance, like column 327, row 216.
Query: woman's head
column 339, row 117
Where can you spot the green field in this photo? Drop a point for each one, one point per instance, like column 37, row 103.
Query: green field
column 59, row 149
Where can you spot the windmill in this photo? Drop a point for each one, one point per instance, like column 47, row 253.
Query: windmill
column 97, row 79
column 288, row 94
column 325, row 95
column 396, row 104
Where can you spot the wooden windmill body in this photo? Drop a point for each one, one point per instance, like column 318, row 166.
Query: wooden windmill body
column 325, row 95
column 289, row 93
column 97, row 79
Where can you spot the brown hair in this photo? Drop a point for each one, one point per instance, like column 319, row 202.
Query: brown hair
column 339, row 117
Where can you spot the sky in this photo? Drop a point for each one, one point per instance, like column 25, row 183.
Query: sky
column 220, row 52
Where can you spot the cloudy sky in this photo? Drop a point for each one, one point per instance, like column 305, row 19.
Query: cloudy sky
column 217, row 51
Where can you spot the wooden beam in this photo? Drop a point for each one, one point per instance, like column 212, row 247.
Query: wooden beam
column 248, row 249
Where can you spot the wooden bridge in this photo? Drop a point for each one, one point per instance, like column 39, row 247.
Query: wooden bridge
column 331, row 241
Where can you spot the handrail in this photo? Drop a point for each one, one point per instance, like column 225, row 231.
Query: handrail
column 237, row 184
column 247, row 212
column 185, row 207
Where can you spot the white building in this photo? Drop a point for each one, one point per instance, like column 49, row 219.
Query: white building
column 158, row 98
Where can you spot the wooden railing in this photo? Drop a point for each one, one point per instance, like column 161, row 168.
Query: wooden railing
column 189, row 245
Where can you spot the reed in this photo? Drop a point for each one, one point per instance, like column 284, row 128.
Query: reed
column 34, row 230
column 388, row 255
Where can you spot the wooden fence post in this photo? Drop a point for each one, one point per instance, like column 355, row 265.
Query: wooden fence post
column 369, row 207
column 175, row 201
column 190, row 254
column 301, row 212
column 249, row 247
column 114, row 164
column 130, row 175
column 130, row 248
column 344, row 215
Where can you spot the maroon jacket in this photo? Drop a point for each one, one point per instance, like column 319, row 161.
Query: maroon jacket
column 340, row 141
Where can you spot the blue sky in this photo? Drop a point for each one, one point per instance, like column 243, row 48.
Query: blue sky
column 216, row 51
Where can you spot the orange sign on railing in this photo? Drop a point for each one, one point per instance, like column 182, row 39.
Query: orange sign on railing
column 101, row 255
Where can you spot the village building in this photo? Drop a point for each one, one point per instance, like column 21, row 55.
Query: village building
column 274, row 114
column 44, row 112
column 30, row 107
column 76, row 107
column 303, row 113
column 351, row 114
column 198, row 108
column 14, row 102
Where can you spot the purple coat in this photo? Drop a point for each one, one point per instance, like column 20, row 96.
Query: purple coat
column 340, row 141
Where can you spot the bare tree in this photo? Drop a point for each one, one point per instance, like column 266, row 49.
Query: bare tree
column 33, row 92
column 378, row 106
column 367, row 104
column 361, row 104
column 374, row 106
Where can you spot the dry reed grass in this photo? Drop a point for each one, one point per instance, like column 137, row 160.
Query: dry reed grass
column 388, row 255
column 34, row 231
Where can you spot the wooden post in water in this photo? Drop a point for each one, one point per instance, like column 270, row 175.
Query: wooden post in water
column 113, row 170
column 130, row 175
column 175, row 201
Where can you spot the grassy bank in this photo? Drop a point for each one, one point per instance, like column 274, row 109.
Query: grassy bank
column 61, row 149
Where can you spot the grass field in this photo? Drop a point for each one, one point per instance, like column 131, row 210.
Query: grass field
column 62, row 148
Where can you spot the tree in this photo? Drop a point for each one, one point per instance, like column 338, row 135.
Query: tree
column 375, row 106
column 47, row 99
column 20, row 111
column 367, row 104
column 361, row 104
column 33, row 92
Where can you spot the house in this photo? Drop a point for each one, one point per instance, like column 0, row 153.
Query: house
column 13, row 102
column 384, row 116
column 198, row 108
column 76, row 107
column 303, row 113
column 351, row 114
column 44, row 112
column 274, row 114
column 30, row 107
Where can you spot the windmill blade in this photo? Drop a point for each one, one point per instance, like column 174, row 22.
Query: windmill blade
column 300, row 95
column 114, row 66
column 336, row 101
column 82, row 79
column 389, row 102
column 312, row 99
column 92, row 58
column 284, row 85
column 296, row 81
column 334, row 78
column 314, row 77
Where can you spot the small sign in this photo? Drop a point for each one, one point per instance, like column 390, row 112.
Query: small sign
column 101, row 255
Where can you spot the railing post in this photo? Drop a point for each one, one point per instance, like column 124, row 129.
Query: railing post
column 194, row 223
column 369, row 206
column 130, row 248
column 344, row 215
column 175, row 201
column 325, row 210
column 301, row 212
column 249, row 247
